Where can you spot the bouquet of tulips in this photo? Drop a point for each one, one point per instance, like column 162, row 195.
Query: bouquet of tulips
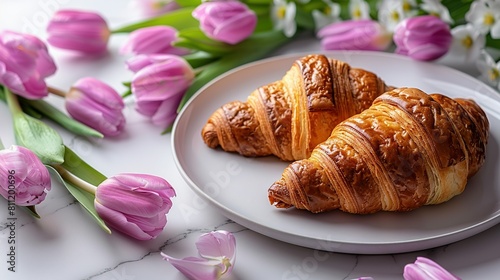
column 172, row 53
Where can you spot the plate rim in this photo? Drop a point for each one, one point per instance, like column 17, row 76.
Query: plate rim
column 382, row 247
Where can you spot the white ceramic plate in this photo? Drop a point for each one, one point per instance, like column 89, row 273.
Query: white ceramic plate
column 237, row 186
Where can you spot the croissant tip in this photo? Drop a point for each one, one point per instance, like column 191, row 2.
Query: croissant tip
column 209, row 134
column 279, row 196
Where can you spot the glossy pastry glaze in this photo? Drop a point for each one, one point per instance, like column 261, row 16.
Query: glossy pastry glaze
column 289, row 117
column 407, row 150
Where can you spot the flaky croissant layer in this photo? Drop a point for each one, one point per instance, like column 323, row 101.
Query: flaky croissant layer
column 289, row 117
column 407, row 150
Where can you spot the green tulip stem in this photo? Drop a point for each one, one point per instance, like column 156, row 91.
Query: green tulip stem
column 70, row 177
column 13, row 103
column 1, row 145
column 57, row 91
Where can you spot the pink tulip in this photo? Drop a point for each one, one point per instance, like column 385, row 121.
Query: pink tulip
column 97, row 105
column 426, row 269
column 24, row 64
column 24, row 179
column 152, row 40
column 140, row 61
column 81, row 31
column 135, row 204
column 362, row 34
column 217, row 251
column 226, row 21
column 423, row 37
column 158, row 89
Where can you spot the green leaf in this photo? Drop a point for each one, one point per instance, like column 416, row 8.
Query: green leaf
column 457, row 9
column 30, row 111
column 77, row 166
column 62, row 119
column 243, row 53
column 258, row 2
column 179, row 19
column 2, row 94
column 199, row 58
column 305, row 19
column 492, row 43
column 194, row 38
column 84, row 198
column 35, row 135
column 43, row 140
column 31, row 210
column 188, row 3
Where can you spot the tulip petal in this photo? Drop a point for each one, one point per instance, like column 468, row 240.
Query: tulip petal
column 119, row 221
column 167, row 112
column 31, row 179
column 152, row 40
column 217, row 244
column 424, row 268
column 132, row 202
column 226, row 21
column 195, row 268
column 82, row 31
column 423, row 37
column 217, row 249
column 97, row 105
column 24, row 64
column 135, row 204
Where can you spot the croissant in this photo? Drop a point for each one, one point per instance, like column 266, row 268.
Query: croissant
column 407, row 150
column 289, row 117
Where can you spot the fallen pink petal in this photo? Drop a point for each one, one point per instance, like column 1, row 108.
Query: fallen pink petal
column 426, row 269
column 218, row 254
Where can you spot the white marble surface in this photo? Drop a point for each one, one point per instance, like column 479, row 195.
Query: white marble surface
column 67, row 244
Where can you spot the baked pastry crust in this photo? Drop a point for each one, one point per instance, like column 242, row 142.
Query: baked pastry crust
column 407, row 150
column 289, row 117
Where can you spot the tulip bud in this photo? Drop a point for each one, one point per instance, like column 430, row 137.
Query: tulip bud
column 81, row 31
column 24, row 178
column 24, row 64
column 423, row 37
column 152, row 40
column 226, row 21
column 135, row 204
column 97, row 105
column 140, row 61
column 158, row 89
column 354, row 35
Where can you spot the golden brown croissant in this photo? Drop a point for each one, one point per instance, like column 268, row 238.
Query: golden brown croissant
column 289, row 117
column 407, row 150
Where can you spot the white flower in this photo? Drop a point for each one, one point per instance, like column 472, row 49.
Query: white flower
column 489, row 69
column 359, row 9
column 467, row 42
column 434, row 7
column 283, row 16
column 330, row 14
column 485, row 16
column 392, row 12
